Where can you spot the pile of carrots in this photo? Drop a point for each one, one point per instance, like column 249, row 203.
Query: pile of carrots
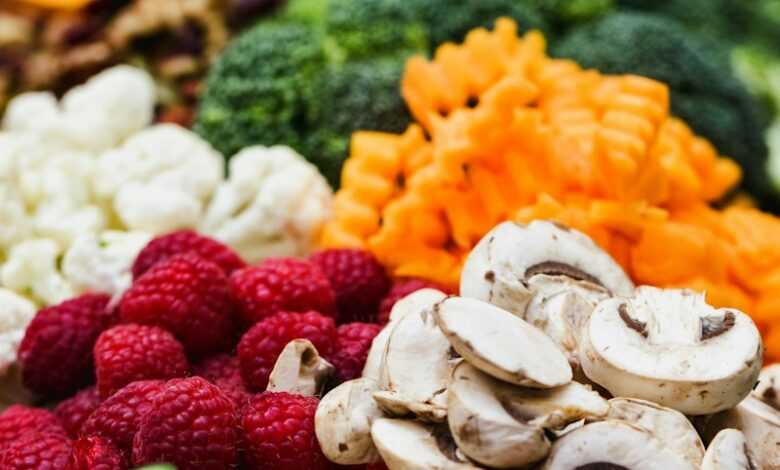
column 505, row 132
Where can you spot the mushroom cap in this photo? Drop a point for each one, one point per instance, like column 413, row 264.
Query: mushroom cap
column 502, row 425
column 768, row 388
column 300, row 370
column 501, row 344
column 415, row 368
column 414, row 302
column 615, row 445
column 411, row 445
column 343, row 423
column 498, row 267
column 728, row 451
column 670, row 347
column 669, row 426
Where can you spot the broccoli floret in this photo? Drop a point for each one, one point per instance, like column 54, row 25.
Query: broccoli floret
column 365, row 29
column 450, row 22
column 356, row 96
column 256, row 93
column 561, row 13
column 704, row 93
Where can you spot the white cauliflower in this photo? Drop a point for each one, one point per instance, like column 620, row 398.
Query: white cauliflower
column 102, row 263
column 160, row 179
column 16, row 313
column 15, row 223
column 273, row 204
column 96, row 116
column 31, row 269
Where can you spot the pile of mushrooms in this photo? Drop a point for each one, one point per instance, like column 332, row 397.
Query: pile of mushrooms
column 552, row 359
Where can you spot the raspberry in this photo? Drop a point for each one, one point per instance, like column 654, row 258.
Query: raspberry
column 118, row 418
column 281, row 284
column 183, row 241
column 223, row 371
column 95, row 453
column 191, row 425
column 187, row 296
column 37, row 451
column 279, row 433
column 260, row 346
column 127, row 353
column 401, row 288
column 56, row 352
column 353, row 341
column 17, row 420
column 358, row 280
column 76, row 409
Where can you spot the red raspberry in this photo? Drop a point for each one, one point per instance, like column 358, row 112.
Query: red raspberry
column 281, row 284
column 401, row 288
column 192, row 425
column 260, row 346
column 56, row 352
column 37, row 451
column 187, row 296
column 17, row 420
column 118, row 418
column 183, row 241
column 76, row 409
column 95, row 453
column 279, row 433
column 353, row 341
column 358, row 280
column 127, row 353
column 224, row 372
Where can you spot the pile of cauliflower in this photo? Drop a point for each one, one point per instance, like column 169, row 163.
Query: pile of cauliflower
column 86, row 181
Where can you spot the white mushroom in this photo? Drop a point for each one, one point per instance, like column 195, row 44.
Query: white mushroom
column 503, row 426
column 672, row 348
column 498, row 269
column 416, row 367
column 669, row 426
column 502, row 344
column 414, row 302
column 613, row 445
column 759, row 422
column 768, row 388
column 300, row 370
column 343, row 423
column 728, row 451
column 411, row 445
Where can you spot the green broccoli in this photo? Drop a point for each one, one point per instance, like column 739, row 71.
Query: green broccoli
column 704, row 93
column 358, row 95
column 258, row 90
column 365, row 29
column 563, row 13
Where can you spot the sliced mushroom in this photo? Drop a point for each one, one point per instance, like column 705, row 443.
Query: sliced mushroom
column 768, row 388
column 759, row 422
column 503, row 426
column 502, row 344
column 613, row 445
column 411, row 445
column 498, row 269
column 416, row 368
column 669, row 426
column 728, row 451
column 343, row 423
column 414, row 302
column 670, row 347
column 300, row 370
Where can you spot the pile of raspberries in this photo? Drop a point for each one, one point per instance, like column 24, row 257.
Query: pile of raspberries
column 175, row 370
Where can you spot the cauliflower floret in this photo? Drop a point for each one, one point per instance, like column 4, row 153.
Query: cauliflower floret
column 273, row 204
column 160, row 178
column 31, row 268
column 15, row 224
column 96, row 116
column 102, row 263
column 17, row 313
